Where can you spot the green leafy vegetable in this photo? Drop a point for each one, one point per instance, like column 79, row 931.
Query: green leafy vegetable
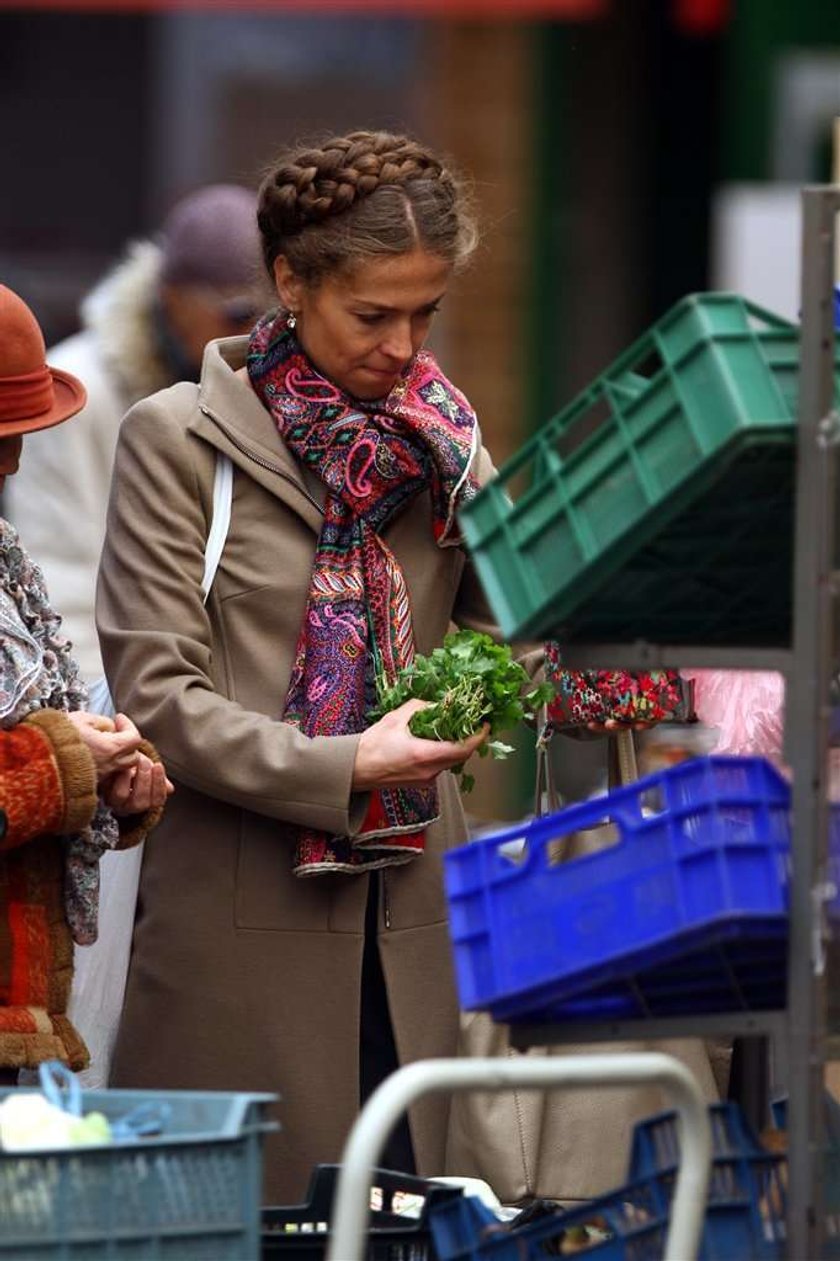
column 469, row 681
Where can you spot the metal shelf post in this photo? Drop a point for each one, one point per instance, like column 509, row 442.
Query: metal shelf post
column 806, row 721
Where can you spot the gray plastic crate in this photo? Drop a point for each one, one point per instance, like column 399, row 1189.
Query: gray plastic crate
column 191, row 1193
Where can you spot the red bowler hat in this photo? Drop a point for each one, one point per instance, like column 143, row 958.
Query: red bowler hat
column 32, row 394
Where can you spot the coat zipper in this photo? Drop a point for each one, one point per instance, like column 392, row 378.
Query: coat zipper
column 258, row 459
column 386, row 904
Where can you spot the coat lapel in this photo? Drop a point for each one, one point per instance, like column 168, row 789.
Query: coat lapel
column 231, row 418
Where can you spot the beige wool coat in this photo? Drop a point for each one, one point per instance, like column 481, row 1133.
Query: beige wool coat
column 244, row 977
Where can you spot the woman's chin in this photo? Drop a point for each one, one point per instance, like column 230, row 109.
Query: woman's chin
column 372, row 384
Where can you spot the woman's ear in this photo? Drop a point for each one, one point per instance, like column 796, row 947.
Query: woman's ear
column 289, row 286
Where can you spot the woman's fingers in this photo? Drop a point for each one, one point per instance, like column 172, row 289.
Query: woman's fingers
column 142, row 787
column 81, row 718
column 129, row 781
column 116, row 793
column 454, row 753
column 159, row 786
column 411, row 707
column 111, row 750
column 123, row 723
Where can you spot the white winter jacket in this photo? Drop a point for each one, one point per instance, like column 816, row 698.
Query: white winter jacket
column 59, row 498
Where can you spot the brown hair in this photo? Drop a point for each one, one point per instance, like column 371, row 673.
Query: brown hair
column 357, row 196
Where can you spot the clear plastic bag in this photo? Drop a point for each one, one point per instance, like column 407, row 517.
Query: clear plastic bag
column 744, row 707
column 100, row 971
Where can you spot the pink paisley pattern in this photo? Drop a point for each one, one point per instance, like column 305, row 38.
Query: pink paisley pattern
column 374, row 459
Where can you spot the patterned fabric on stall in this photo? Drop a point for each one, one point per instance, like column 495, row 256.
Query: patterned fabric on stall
column 374, row 460
column 585, row 696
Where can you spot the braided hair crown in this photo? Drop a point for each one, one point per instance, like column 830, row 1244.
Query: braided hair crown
column 322, row 190
column 320, row 183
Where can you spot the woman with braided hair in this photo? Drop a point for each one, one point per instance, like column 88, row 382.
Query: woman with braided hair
column 291, row 925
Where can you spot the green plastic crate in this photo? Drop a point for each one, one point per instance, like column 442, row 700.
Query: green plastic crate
column 191, row 1193
column 658, row 504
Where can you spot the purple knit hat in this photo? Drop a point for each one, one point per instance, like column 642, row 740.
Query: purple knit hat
column 211, row 238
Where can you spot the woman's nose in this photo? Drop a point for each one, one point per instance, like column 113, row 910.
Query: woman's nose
column 398, row 344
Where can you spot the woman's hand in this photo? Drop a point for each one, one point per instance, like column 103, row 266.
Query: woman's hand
column 141, row 787
column 389, row 756
column 113, row 744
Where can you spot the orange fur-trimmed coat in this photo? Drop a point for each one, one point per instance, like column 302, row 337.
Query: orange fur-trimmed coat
column 47, row 791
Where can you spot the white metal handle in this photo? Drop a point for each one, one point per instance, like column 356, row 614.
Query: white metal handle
column 386, row 1105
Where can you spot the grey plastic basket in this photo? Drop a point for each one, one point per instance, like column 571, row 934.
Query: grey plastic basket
column 191, row 1193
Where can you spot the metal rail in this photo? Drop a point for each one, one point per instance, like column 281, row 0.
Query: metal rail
column 727, row 1024
column 642, row 654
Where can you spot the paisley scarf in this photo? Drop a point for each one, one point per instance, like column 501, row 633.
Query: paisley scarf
column 38, row 672
column 374, row 459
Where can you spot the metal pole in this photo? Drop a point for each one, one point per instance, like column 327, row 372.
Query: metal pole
column 806, row 723
column 385, row 1106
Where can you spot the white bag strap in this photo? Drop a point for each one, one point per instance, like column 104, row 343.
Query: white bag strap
column 99, row 695
column 220, row 524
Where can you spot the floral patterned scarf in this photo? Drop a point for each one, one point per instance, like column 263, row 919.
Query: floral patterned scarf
column 374, row 460
column 37, row 672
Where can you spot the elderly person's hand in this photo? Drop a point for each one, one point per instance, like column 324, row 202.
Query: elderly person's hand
column 113, row 743
column 141, row 787
column 389, row 756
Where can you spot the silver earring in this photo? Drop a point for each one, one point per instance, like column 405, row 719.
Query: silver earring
column 291, row 321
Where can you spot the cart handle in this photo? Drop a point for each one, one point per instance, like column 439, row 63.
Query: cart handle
column 390, row 1100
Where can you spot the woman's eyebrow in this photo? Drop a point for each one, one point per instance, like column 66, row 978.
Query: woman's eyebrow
column 384, row 309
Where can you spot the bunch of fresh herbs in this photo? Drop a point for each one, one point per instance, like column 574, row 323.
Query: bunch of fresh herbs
column 469, row 681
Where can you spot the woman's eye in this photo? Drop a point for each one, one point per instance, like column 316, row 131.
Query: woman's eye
column 367, row 318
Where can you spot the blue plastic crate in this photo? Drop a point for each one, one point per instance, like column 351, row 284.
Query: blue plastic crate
column 744, row 1219
column 191, row 1193
column 743, row 1176
column 633, row 1219
column 684, row 912
column 747, row 972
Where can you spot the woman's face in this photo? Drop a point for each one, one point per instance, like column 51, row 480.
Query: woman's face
column 10, row 449
column 360, row 328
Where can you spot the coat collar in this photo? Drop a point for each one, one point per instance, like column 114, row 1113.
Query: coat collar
column 231, row 418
